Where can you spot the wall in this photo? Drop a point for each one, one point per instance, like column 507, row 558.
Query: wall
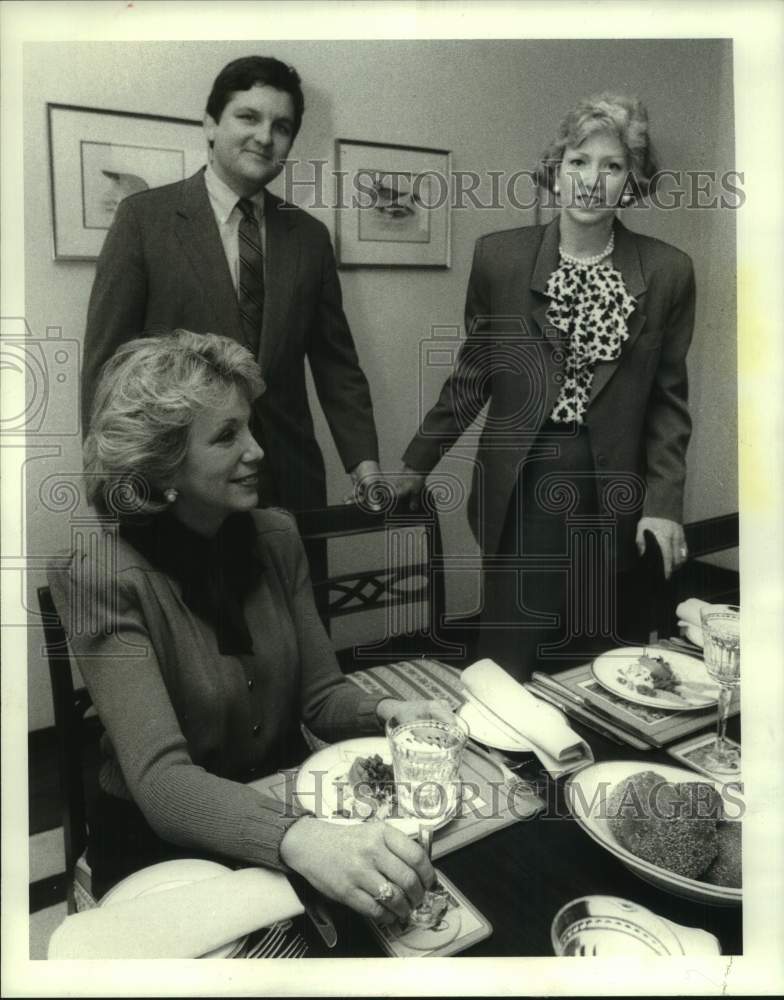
column 495, row 105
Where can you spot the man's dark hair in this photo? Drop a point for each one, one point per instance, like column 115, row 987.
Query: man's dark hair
column 250, row 71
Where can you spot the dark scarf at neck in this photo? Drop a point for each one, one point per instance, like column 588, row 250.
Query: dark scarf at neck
column 215, row 574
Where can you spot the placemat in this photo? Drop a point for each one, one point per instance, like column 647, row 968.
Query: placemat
column 490, row 802
column 657, row 726
column 412, row 679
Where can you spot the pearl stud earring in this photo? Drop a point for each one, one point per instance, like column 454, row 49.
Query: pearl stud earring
column 171, row 494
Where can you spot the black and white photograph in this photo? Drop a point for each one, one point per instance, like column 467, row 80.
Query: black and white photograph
column 391, row 441
column 393, row 205
column 97, row 158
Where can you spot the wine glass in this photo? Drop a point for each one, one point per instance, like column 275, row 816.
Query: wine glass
column 721, row 638
column 426, row 756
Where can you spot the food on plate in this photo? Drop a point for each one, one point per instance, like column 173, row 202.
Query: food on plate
column 670, row 824
column 368, row 791
column 648, row 675
column 726, row 866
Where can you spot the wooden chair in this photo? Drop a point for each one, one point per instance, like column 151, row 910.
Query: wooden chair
column 75, row 732
column 413, row 575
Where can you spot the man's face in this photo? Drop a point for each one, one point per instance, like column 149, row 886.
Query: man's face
column 252, row 138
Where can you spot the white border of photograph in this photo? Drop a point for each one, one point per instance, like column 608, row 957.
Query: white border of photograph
column 97, row 157
column 414, row 183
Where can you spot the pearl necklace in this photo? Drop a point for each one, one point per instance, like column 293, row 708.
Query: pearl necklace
column 589, row 261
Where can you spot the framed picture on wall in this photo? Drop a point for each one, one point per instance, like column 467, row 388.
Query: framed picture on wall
column 97, row 158
column 393, row 205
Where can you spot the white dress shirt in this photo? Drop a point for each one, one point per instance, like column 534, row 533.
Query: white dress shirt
column 227, row 214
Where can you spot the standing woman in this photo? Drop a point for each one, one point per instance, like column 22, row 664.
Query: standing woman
column 577, row 335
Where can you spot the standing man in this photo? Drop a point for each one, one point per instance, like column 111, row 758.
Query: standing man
column 218, row 253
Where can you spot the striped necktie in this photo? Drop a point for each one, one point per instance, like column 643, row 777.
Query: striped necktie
column 251, row 278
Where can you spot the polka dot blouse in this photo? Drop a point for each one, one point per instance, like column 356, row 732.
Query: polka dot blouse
column 590, row 304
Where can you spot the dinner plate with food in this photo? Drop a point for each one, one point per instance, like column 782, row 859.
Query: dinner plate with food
column 657, row 678
column 675, row 829
column 354, row 782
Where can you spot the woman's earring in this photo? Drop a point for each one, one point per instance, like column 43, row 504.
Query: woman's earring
column 626, row 201
column 171, row 494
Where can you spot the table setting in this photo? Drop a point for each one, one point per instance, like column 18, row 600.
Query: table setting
column 567, row 815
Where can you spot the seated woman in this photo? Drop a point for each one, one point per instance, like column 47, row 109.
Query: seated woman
column 194, row 627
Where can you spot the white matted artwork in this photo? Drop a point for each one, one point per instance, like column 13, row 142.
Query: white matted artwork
column 97, row 158
column 393, row 205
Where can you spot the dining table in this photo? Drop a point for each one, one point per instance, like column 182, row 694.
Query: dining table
column 520, row 876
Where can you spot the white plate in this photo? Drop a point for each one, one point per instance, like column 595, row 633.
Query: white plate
column 607, row 926
column 321, row 775
column 168, row 875
column 607, row 667
column 484, row 729
column 587, row 793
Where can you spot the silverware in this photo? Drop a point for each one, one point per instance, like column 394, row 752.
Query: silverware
column 513, row 782
column 315, row 909
column 680, row 646
column 266, row 944
column 581, row 710
column 585, row 716
column 323, row 922
column 274, row 944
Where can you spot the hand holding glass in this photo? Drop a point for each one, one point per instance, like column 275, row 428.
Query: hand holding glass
column 426, row 756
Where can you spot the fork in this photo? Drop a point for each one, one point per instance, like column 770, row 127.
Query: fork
column 271, row 947
column 294, row 949
column 273, row 937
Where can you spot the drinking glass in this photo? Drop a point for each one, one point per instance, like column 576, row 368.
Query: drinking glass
column 426, row 756
column 721, row 639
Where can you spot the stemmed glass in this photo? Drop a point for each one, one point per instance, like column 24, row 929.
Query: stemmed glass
column 721, row 639
column 426, row 756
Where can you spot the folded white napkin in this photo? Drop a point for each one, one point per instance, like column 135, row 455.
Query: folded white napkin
column 182, row 922
column 525, row 718
column 688, row 613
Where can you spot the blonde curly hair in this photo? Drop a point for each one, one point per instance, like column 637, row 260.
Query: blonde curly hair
column 146, row 401
column 625, row 117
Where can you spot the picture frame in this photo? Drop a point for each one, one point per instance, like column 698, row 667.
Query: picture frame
column 393, row 205
column 98, row 157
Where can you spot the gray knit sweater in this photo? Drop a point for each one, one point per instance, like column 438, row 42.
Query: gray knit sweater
column 185, row 724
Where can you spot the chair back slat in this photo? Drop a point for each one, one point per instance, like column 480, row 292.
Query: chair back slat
column 70, row 707
column 413, row 576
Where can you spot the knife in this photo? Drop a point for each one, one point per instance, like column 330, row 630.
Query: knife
column 323, row 922
column 513, row 781
column 554, row 687
column 315, row 908
column 580, row 714
column 680, row 646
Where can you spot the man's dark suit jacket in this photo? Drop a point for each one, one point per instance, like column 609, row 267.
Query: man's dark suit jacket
column 163, row 266
column 637, row 417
